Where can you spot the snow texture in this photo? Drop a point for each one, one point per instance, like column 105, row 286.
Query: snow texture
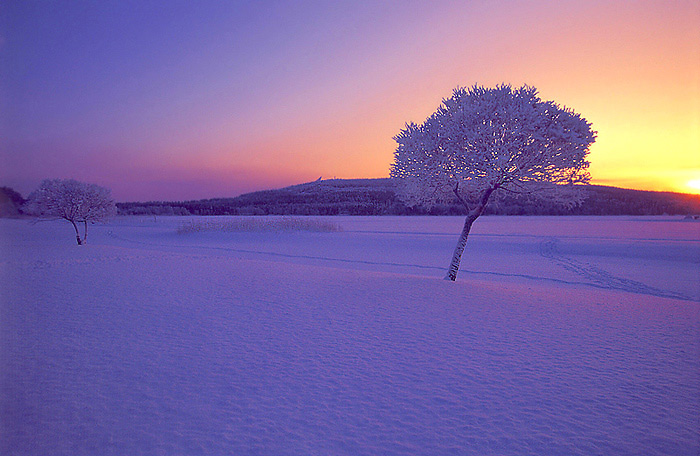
column 562, row 336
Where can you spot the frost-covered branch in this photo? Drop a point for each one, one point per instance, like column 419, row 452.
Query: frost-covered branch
column 481, row 138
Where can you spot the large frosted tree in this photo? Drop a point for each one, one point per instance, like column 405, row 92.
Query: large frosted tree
column 485, row 140
column 76, row 202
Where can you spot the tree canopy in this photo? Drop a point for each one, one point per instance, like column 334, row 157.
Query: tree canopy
column 483, row 138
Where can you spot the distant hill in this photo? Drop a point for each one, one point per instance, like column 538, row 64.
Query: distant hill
column 378, row 197
column 10, row 202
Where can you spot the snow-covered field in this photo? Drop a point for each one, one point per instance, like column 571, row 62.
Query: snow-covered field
column 561, row 336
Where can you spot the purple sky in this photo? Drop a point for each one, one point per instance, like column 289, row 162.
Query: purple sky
column 184, row 100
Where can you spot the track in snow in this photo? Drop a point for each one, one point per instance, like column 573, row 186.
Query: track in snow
column 600, row 277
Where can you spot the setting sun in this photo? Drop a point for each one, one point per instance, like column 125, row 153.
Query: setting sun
column 693, row 185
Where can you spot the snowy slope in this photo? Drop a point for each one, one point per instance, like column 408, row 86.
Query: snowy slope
column 560, row 336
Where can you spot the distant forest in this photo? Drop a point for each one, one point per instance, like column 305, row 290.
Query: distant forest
column 378, row 197
column 10, row 202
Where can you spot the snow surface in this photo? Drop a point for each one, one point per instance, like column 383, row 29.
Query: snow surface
column 561, row 336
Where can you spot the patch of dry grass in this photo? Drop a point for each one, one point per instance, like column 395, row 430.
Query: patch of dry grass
column 248, row 224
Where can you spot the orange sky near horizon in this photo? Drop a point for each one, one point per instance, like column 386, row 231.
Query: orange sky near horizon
column 637, row 81
column 235, row 101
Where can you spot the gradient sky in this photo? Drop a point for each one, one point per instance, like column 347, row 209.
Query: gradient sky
column 195, row 99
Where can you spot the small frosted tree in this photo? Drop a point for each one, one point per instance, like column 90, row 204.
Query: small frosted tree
column 70, row 200
column 484, row 140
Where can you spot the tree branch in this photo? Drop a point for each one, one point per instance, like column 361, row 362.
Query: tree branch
column 459, row 197
column 517, row 192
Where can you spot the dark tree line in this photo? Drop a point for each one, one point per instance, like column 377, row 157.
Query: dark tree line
column 378, row 197
column 11, row 202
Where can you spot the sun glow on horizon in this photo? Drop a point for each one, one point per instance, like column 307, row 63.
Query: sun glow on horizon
column 694, row 185
column 266, row 97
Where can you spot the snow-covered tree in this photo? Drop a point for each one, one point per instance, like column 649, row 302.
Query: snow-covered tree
column 484, row 140
column 76, row 202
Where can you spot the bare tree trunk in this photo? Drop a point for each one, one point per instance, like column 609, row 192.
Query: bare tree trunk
column 85, row 233
column 77, row 233
column 462, row 242
column 459, row 249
